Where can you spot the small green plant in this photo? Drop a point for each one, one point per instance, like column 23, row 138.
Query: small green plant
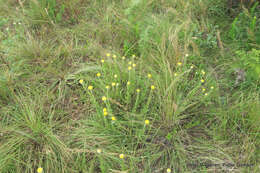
column 245, row 28
column 46, row 11
column 250, row 61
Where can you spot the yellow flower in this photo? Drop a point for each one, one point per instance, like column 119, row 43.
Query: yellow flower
column 104, row 109
column 206, row 94
column 90, row 87
column 104, row 98
column 130, row 62
column 128, row 83
column 102, row 61
column 202, row 80
column 179, row 63
column 186, row 55
column 146, row 122
column 212, row 87
column 203, row 72
column 129, row 68
column 115, row 76
column 149, row 75
column 134, row 65
column 39, row 170
column 152, row 87
column 175, row 74
column 138, row 90
column 114, row 56
column 168, row 170
column 191, row 66
column 98, row 74
column 113, row 118
column 121, row 156
column 108, row 54
column 123, row 58
column 81, row 81
column 203, row 89
column 99, row 151
column 133, row 55
column 113, row 84
column 105, row 113
column 107, row 87
column 117, row 84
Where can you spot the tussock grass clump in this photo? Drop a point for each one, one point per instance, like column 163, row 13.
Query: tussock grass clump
column 133, row 86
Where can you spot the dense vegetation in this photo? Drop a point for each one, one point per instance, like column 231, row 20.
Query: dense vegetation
column 129, row 86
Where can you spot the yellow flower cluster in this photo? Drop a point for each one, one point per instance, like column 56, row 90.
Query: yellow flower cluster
column 105, row 112
column 40, row 170
column 113, row 118
column 81, row 81
column 104, row 98
column 121, row 156
column 99, row 151
column 90, row 87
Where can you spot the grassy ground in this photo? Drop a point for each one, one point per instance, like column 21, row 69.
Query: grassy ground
column 129, row 86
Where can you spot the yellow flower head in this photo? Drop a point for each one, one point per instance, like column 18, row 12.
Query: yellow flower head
column 102, row 60
column 104, row 109
column 114, row 56
column 168, row 170
column 191, row 66
column 203, row 72
column 90, row 87
column 104, row 98
column 133, row 55
column 98, row 74
column 206, row 94
column 203, row 89
column 108, row 54
column 179, row 63
column 152, row 87
column 113, row 84
column 129, row 68
column 130, row 62
column 138, row 90
column 115, row 76
column 149, row 75
column 121, row 156
column 113, row 118
column 134, row 65
column 81, row 81
column 212, row 87
column 117, row 84
column 39, row 170
column 186, row 55
column 146, row 122
column 123, row 58
column 107, row 87
column 99, row 151
column 105, row 113
column 202, row 80
column 175, row 74
column 128, row 83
